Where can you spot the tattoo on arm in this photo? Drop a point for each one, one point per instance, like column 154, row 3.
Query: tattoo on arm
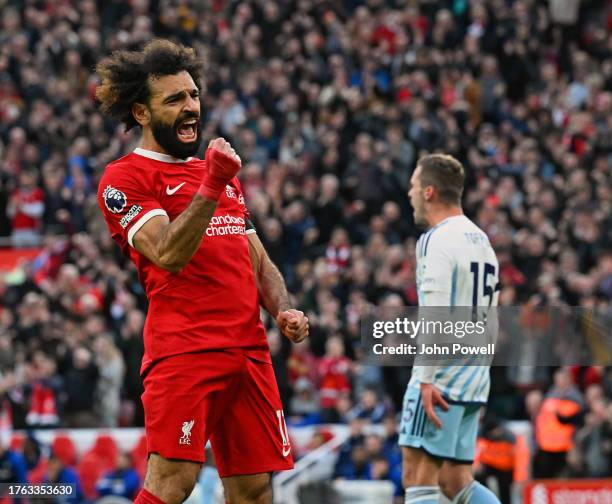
column 274, row 295
column 270, row 283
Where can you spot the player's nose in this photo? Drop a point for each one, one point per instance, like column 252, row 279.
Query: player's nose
column 192, row 105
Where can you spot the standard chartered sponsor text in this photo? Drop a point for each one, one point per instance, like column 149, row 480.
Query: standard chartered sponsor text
column 223, row 225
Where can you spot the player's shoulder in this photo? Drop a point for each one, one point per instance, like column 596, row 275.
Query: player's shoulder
column 122, row 167
column 127, row 170
column 120, row 178
column 469, row 231
column 468, row 238
column 459, row 226
column 433, row 238
column 465, row 223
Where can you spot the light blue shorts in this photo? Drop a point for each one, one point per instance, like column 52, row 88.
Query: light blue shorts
column 455, row 441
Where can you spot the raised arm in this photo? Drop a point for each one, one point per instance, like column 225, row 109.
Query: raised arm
column 273, row 293
column 171, row 245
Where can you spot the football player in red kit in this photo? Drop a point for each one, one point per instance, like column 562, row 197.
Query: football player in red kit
column 183, row 222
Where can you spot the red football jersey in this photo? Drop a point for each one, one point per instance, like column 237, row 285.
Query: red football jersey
column 212, row 303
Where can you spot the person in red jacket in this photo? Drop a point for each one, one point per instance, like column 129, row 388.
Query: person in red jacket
column 334, row 370
column 25, row 209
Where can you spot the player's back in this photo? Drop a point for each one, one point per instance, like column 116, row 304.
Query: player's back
column 457, row 266
column 473, row 276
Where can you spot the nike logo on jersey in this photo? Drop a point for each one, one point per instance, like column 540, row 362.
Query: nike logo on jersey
column 286, row 451
column 170, row 192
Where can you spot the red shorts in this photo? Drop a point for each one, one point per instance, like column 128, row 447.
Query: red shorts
column 225, row 396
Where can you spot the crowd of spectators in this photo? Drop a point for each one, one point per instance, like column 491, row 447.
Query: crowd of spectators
column 100, row 472
column 329, row 104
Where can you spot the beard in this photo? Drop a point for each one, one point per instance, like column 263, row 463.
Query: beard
column 419, row 218
column 167, row 137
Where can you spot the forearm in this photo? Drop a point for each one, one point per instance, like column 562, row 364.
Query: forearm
column 272, row 289
column 180, row 239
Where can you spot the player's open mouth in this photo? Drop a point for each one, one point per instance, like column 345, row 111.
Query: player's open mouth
column 188, row 130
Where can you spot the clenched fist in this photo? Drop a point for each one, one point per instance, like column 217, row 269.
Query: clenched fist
column 293, row 324
column 223, row 164
column 222, row 159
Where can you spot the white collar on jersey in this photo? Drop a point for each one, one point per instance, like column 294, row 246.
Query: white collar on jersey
column 158, row 156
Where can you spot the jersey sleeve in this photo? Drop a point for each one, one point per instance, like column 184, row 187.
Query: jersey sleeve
column 437, row 268
column 126, row 203
column 249, row 227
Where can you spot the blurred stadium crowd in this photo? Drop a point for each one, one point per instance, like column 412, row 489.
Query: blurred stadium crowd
column 329, row 105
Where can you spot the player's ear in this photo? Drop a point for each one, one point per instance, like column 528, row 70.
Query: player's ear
column 141, row 113
column 428, row 192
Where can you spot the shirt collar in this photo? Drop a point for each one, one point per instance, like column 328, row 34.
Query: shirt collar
column 158, row 156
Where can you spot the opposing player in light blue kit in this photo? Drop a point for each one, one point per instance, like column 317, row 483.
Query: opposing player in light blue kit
column 456, row 266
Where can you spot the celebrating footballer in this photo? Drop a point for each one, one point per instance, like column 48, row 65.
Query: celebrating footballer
column 184, row 224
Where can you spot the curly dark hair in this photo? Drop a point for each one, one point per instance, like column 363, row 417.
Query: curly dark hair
column 125, row 75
